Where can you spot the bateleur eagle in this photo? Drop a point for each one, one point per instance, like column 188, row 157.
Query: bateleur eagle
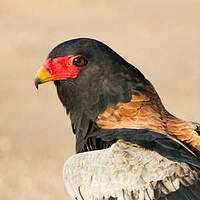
column 128, row 145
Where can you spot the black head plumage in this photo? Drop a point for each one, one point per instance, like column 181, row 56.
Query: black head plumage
column 106, row 80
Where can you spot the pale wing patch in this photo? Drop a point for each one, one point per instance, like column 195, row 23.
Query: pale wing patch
column 125, row 171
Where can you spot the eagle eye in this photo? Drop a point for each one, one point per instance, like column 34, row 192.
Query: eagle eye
column 80, row 61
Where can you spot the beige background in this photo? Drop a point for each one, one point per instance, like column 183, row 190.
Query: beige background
column 162, row 38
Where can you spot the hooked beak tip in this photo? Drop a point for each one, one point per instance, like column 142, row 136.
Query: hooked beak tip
column 37, row 82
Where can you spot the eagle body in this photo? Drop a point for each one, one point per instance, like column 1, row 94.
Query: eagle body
column 128, row 145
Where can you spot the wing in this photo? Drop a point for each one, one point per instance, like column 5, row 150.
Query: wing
column 126, row 171
column 147, row 139
column 145, row 111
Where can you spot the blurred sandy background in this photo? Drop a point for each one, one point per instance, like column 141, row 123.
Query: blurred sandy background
column 161, row 38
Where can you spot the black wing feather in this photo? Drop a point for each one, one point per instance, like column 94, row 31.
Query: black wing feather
column 197, row 127
column 152, row 141
column 185, row 193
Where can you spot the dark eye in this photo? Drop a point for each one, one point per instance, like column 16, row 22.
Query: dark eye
column 80, row 61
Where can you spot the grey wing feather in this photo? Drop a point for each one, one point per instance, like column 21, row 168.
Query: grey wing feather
column 126, row 171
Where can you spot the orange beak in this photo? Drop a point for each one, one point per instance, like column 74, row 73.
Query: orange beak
column 42, row 77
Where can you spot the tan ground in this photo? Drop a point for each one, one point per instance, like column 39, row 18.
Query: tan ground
column 161, row 39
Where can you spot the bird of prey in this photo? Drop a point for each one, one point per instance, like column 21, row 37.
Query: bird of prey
column 129, row 147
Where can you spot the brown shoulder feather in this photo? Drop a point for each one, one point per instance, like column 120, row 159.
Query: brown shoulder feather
column 147, row 111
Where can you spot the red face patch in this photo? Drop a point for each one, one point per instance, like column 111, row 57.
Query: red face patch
column 61, row 68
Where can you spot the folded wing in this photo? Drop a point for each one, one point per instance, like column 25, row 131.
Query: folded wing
column 128, row 172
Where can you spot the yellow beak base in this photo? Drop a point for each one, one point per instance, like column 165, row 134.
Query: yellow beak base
column 42, row 77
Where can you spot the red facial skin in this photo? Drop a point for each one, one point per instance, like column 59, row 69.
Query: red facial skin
column 61, row 68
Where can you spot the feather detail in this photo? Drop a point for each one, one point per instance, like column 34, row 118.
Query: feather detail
column 125, row 171
column 147, row 111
